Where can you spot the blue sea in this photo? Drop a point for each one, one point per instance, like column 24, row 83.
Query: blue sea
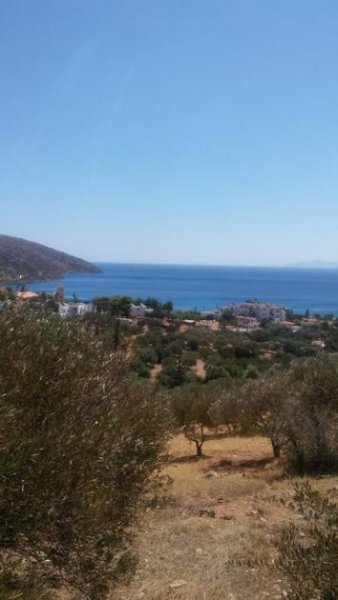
column 207, row 287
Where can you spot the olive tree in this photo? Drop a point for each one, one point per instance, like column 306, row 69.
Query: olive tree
column 311, row 428
column 191, row 408
column 297, row 408
column 79, row 443
column 254, row 404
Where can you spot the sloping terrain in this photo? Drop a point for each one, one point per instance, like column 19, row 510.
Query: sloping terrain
column 24, row 260
column 216, row 537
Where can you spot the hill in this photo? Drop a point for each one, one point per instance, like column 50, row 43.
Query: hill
column 28, row 261
column 315, row 264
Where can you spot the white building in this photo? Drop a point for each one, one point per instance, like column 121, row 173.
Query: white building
column 263, row 311
column 75, row 309
column 139, row 310
column 83, row 308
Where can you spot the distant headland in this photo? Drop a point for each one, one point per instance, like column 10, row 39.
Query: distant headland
column 23, row 260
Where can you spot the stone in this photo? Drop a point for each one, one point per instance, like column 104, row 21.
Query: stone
column 210, row 474
column 207, row 512
column 177, row 584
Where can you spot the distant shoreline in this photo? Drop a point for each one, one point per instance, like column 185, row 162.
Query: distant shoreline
column 303, row 266
column 205, row 287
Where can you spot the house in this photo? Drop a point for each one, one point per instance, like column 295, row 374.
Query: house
column 67, row 310
column 140, row 310
column 263, row 311
column 83, row 308
column 310, row 323
column 289, row 325
column 247, row 322
column 27, row 295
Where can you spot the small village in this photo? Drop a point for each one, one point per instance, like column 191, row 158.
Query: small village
column 173, row 347
column 241, row 317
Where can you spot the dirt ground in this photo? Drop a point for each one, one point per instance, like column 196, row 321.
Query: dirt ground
column 215, row 538
column 199, row 368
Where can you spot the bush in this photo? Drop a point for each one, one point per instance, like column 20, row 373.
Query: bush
column 189, row 359
column 172, row 374
column 147, row 355
column 215, row 367
column 191, row 410
column 297, row 408
column 309, row 555
column 311, row 428
column 78, row 443
column 192, row 344
column 140, row 368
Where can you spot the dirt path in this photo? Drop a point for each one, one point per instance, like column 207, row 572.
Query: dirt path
column 199, row 368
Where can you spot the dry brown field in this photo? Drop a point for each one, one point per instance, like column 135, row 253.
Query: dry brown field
column 215, row 538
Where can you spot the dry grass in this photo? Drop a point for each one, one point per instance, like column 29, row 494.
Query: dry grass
column 215, row 539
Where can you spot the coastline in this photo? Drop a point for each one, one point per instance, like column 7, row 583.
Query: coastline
column 205, row 287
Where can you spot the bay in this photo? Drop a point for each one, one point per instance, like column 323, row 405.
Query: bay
column 206, row 287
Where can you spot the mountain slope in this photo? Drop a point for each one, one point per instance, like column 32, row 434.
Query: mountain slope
column 24, row 260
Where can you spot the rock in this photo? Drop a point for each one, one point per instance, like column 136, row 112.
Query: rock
column 212, row 473
column 207, row 512
column 177, row 584
column 227, row 517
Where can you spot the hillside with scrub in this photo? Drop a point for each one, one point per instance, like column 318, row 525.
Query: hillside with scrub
column 23, row 260
column 165, row 481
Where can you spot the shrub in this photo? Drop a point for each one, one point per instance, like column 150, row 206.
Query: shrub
column 189, row 359
column 78, row 443
column 297, row 408
column 215, row 367
column 190, row 406
column 147, row 355
column 192, row 344
column 308, row 555
column 140, row 368
column 311, row 428
column 172, row 374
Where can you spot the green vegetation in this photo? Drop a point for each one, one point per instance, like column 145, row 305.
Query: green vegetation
column 80, row 443
column 191, row 409
column 85, row 408
column 309, row 553
column 296, row 408
column 117, row 306
column 24, row 260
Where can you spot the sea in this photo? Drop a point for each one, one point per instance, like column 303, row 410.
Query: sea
column 206, row 287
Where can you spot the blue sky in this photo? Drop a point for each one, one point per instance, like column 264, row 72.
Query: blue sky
column 175, row 131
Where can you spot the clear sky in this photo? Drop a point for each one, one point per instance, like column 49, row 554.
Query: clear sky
column 178, row 131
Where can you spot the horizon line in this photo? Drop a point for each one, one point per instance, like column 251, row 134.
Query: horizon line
column 307, row 266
